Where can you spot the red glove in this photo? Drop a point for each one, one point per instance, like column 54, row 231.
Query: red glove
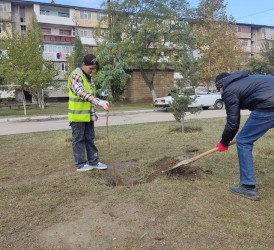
column 221, row 147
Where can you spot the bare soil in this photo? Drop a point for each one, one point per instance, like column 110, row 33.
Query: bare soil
column 118, row 173
column 101, row 226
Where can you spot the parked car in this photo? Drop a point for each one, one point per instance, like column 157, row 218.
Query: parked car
column 204, row 99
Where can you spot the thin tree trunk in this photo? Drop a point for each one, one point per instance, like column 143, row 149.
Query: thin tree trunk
column 149, row 83
column 24, row 102
column 153, row 93
column 40, row 98
column 183, row 121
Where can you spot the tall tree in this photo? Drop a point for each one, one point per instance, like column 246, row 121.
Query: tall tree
column 78, row 52
column 23, row 63
column 268, row 53
column 148, row 33
column 217, row 39
column 258, row 66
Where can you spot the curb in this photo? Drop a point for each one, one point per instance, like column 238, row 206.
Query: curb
column 64, row 117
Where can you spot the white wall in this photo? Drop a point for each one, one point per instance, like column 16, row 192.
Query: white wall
column 55, row 19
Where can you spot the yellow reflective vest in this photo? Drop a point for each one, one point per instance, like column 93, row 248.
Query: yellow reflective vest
column 79, row 110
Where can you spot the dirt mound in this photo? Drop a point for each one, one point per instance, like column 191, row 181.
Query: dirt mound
column 127, row 173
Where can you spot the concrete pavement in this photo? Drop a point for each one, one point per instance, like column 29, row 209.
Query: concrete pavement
column 49, row 123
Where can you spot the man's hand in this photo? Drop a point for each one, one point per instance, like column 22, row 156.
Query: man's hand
column 96, row 116
column 221, row 147
column 102, row 103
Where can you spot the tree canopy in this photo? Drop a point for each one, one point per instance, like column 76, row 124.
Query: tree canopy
column 148, row 33
column 268, row 54
column 217, row 40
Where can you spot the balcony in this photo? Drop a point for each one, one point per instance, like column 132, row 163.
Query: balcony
column 58, row 39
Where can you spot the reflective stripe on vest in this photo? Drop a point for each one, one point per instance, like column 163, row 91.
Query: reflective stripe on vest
column 79, row 110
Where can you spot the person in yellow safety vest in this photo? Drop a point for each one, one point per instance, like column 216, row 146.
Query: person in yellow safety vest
column 82, row 114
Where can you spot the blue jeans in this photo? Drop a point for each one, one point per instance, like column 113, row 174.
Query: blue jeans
column 83, row 135
column 255, row 127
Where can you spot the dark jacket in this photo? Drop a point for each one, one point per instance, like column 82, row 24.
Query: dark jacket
column 241, row 91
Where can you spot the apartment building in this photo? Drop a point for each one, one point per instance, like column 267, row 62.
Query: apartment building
column 253, row 36
column 61, row 23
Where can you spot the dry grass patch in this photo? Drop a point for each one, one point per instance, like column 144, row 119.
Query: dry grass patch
column 46, row 204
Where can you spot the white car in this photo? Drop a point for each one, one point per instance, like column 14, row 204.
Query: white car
column 204, row 99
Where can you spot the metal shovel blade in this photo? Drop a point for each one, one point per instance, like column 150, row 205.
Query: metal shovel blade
column 195, row 158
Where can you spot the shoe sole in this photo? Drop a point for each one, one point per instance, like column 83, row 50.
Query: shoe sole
column 83, row 170
column 255, row 198
column 102, row 168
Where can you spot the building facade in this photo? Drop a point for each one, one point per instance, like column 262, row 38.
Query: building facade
column 61, row 23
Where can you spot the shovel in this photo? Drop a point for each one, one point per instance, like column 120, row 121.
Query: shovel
column 195, row 158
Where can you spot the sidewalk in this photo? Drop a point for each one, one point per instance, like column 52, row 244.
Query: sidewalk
column 65, row 117
column 50, row 123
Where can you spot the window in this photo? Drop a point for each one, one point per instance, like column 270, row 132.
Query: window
column 85, row 15
column 244, row 29
column 63, row 14
column 5, row 7
column 101, row 16
column 268, row 31
column 46, row 31
column 48, row 11
column 44, row 12
column 54, row 49
column 2, row 27
column 22, row 15
column 64, row 32
column 84, row 32
column 64, row 66
column 23, row 29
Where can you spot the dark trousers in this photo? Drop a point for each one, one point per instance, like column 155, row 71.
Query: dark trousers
column 83, row 135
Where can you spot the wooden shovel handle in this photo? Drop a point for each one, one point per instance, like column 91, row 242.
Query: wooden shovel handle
column 186, row 162
column 208, row 152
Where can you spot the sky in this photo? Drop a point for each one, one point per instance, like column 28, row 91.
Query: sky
column 244, row 11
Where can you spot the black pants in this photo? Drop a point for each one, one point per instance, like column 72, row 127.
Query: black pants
column 83, row 135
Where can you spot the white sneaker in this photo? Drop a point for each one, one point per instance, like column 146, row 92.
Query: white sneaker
column 84, row 168
column 100, row 165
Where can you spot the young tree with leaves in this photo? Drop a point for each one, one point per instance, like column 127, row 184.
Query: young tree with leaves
column 78, row 52
column 217, row 40
column 179, row 107
column 22, row 63
column 74, row 60
column 113, row 74
column 187, row 65
column 147, row 32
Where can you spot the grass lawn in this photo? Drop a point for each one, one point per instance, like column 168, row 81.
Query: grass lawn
column 62, row 109
column 46, row 204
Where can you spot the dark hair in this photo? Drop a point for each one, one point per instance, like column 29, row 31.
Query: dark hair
column 90, row 59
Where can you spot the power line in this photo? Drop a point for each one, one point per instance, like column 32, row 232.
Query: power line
column 256, row 13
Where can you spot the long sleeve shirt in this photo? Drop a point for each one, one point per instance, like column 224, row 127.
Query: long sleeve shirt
column 77, row 87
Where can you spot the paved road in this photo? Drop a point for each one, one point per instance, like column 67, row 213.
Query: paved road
column 49, row 123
